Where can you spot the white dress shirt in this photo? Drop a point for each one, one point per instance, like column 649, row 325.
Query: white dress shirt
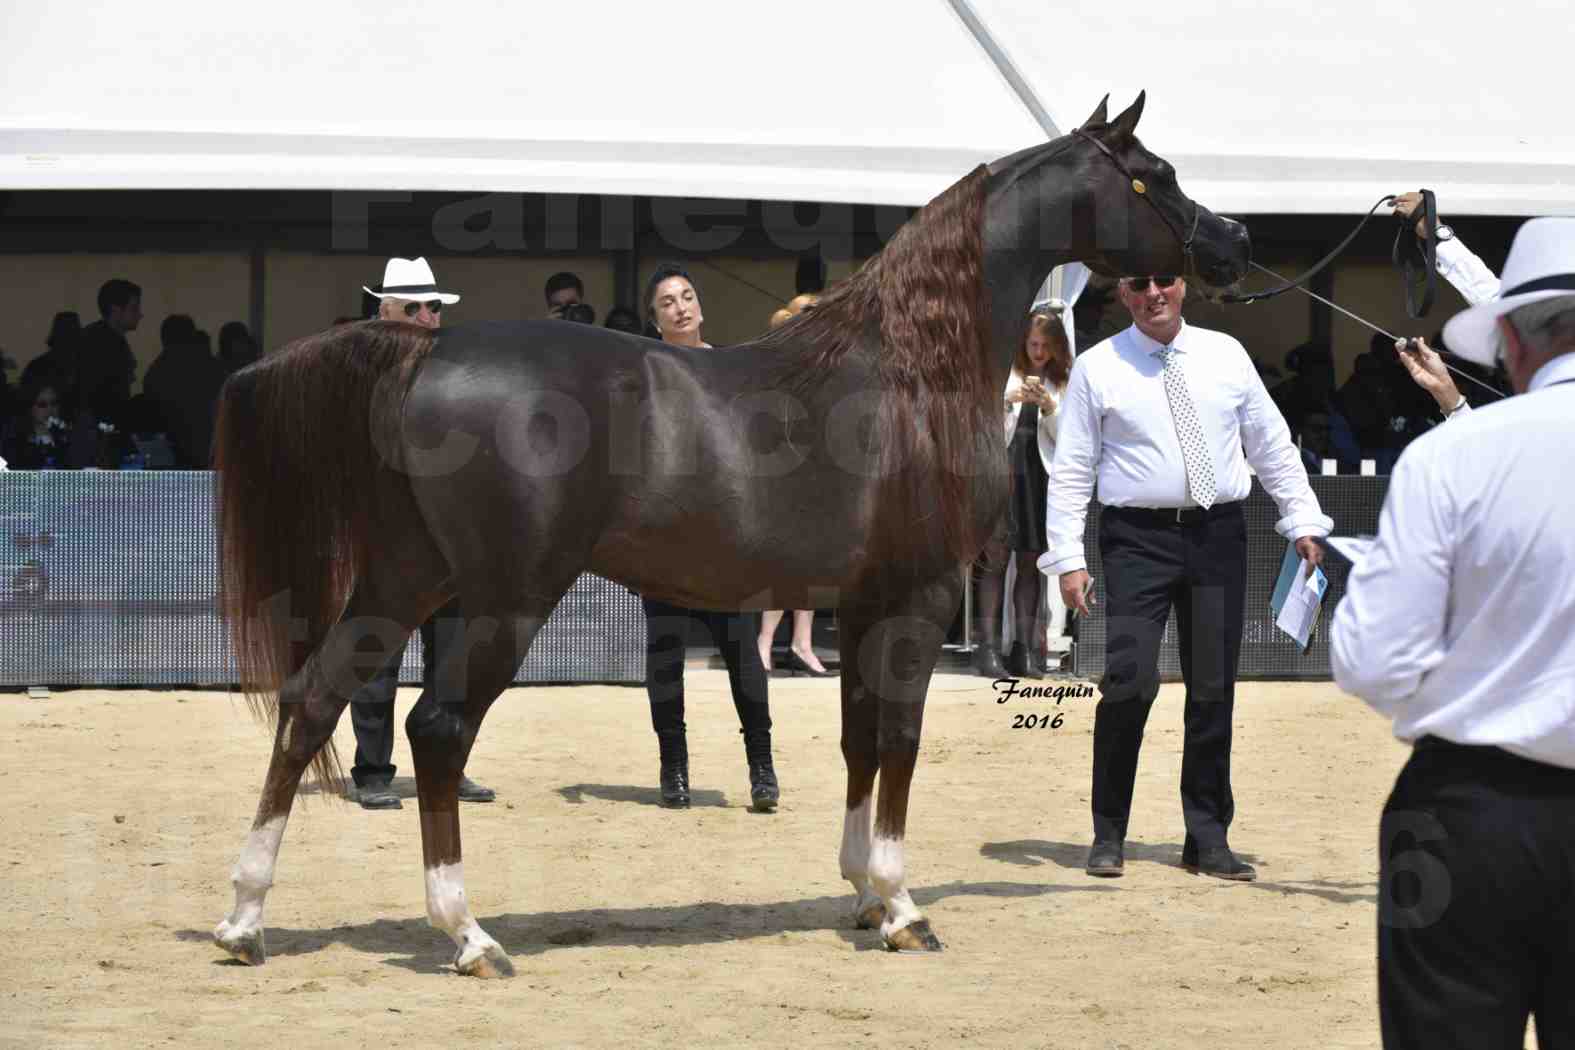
column 1116, row 428
column 1471, row 277
column 1460, row 623
column 1460, row 266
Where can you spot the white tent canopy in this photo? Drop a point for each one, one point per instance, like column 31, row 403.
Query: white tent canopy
column 1264, row 107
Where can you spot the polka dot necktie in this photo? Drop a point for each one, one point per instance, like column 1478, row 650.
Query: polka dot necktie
column 1194, row 447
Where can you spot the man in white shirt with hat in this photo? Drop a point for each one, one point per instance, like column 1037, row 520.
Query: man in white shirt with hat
column 1460, row 626
column 410, row 295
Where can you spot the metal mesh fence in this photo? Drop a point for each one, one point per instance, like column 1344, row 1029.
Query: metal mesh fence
column 1353, row 503
column 110, row 578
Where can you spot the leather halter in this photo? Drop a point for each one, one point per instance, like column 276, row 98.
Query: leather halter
column 1142, row 191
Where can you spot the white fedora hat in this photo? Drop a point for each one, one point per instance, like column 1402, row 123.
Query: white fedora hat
column 410, row 279
column 1541, row 265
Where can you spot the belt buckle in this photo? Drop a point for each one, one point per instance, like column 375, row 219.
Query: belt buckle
column 1178, row 515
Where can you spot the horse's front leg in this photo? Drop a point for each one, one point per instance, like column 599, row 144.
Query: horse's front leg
column 895, row 655
column 475, row 660
column 860, row 719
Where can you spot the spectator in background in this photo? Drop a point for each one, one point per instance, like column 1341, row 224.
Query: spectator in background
column 1032, row 397
column 1307, row 402
column 106, row 366
column 237, row 348
column 623, row 319
column 183, row 384
column 801, row 658
column 565, row 295
column 1368, row 402
column 673, row 305
column 58, row 364
column 409, row 294
column 37, row 437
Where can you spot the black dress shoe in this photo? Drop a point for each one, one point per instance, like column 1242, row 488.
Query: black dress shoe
column 1219, row 862
column 795, row 664
column 470, row 791
column 378, row 795
column 1018, row 663
column 1106, row 859
column 987, row 662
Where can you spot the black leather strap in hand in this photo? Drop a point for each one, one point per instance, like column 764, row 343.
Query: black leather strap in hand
column 1416, row 257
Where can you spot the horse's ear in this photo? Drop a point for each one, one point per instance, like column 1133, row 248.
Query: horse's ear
column 1099, row 116
column 1126, row 123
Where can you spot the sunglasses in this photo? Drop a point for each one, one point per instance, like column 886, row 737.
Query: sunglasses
column 1140, row 284
column 434, row 307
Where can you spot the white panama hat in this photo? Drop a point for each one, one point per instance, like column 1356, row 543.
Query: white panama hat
column 411, row 279
column 1541, row 265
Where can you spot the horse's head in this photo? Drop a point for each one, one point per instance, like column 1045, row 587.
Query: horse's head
column 1143, row 222
column 1098, row 196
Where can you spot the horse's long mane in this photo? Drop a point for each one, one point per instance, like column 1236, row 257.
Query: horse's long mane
column 922, row 307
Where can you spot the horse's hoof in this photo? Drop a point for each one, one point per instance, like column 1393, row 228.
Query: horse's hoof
column 914, row 937
column 869, row 917
column 246, row 946
column 484, row 961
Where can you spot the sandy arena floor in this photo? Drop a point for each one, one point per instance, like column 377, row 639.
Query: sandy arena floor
column 632, row 925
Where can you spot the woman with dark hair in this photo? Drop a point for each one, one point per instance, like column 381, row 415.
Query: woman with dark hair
column 673, row 307
column 58, row 364
column 36, row 437
column 237, row 348
column 1039, row 376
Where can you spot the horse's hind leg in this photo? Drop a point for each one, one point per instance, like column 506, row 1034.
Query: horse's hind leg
column 476, row 661
column 895, row 655
column 310, row 704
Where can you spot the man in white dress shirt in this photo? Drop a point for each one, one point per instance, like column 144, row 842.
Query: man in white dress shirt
column 1159, row 416
column 1460, row 625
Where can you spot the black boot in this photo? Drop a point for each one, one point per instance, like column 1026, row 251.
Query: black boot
column 1018, row 664
column 763, row 789
column 675, row 768
column 987, row 661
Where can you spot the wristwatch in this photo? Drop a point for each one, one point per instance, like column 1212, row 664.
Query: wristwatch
column 1443, row 233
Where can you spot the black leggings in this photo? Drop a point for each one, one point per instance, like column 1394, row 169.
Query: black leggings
column 990, row 571
column 666, row 627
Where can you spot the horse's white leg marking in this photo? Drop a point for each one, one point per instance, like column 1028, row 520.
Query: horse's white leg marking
column 448, row 910
column 855, row 862
column 889, row 880
column 241, row 933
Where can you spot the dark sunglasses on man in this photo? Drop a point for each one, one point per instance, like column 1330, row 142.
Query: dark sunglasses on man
column 1140, row 284
column 435, row 306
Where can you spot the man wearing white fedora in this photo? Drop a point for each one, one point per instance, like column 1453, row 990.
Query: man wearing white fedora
column 410, row 295
column 1460, row 625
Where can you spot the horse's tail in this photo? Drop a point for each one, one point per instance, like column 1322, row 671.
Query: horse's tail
column 302, row 441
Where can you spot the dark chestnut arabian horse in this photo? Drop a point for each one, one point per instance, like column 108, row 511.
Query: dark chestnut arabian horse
column 853, row 456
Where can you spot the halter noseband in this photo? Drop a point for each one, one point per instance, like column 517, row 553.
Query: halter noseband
column 1142, row 191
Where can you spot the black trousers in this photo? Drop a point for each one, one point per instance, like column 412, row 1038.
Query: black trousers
column 1152, row 563
column 372, row 706
column 1476, row 902
column 666, row 627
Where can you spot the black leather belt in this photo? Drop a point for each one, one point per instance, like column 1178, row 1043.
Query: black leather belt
column 1175, row 515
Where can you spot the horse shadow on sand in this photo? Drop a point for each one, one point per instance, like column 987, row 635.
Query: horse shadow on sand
column 405, row 787
column 411, row 944
column 1074, row 855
